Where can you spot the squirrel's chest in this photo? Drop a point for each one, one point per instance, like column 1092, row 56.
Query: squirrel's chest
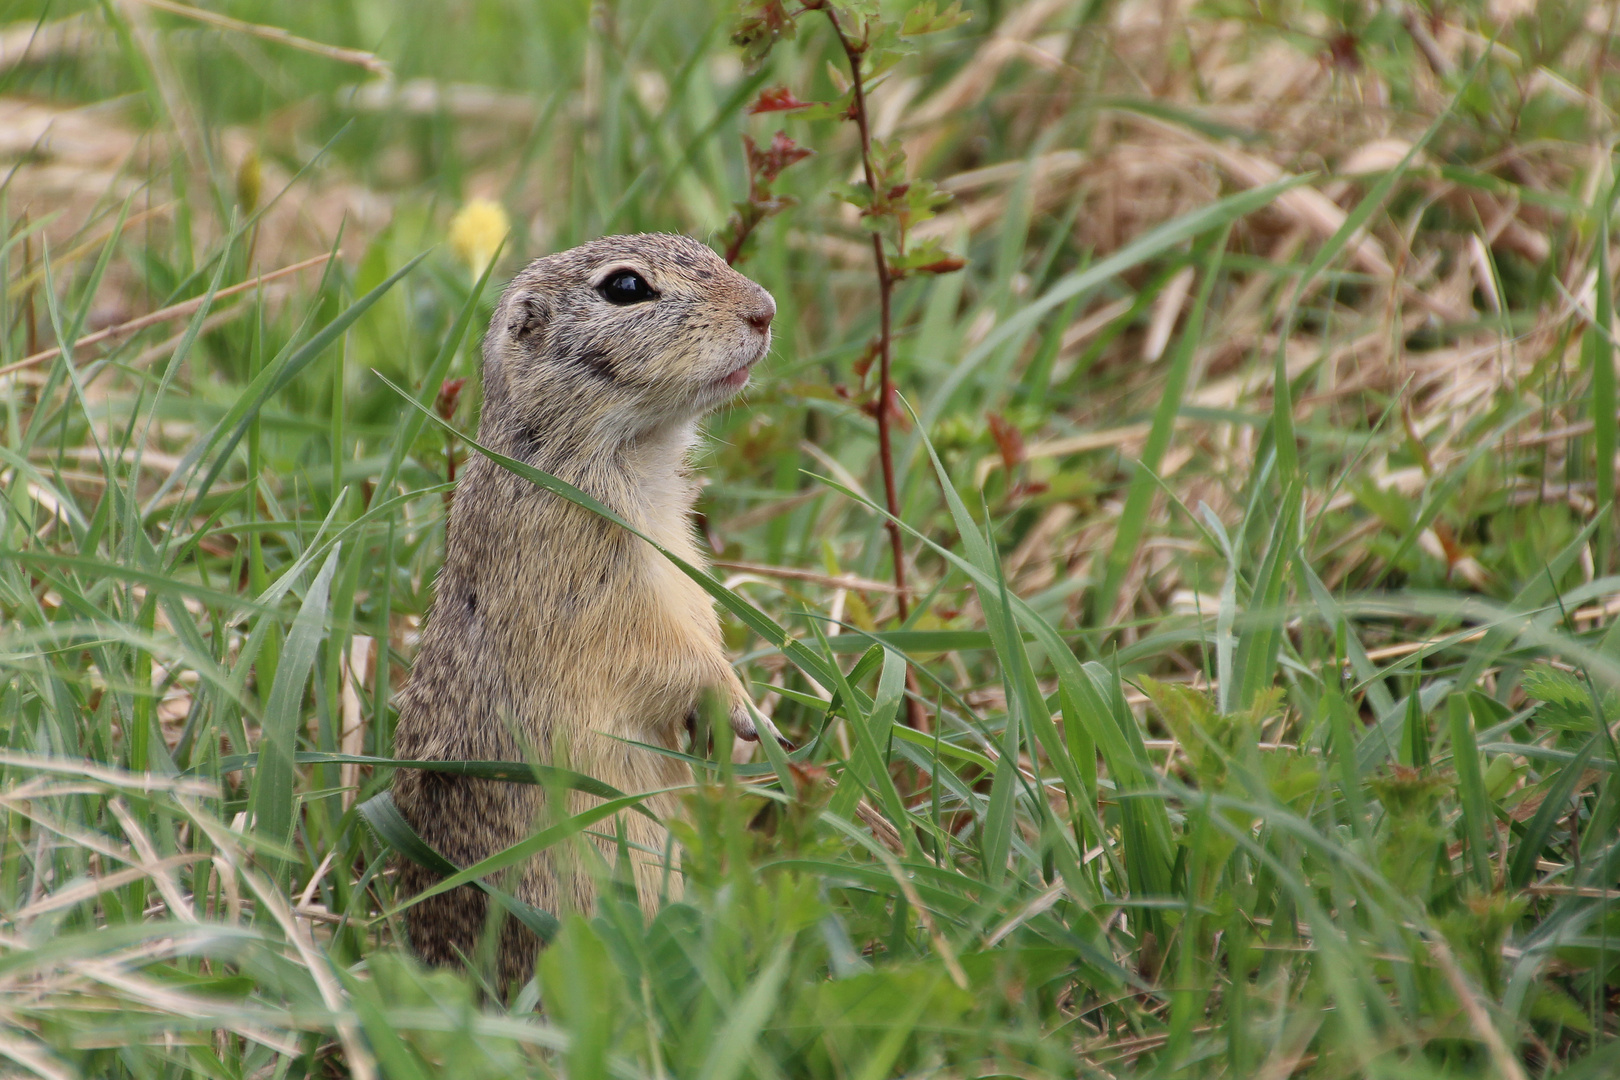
column 587, row 621
column 623, row 631
column 643, row 654
column 676, row 616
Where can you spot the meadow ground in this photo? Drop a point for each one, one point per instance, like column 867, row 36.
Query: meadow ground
column 1256, row 475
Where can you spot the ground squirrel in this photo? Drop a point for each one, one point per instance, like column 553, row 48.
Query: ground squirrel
column 553, row 630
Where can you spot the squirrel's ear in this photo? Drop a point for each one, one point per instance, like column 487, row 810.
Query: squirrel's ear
column 526, row 316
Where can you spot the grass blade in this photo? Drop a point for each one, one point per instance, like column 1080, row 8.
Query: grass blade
column 1144, row 482
column 1476, row 807
column 234, row 424
column 283, row 714
column 729, row 1053
column 1522, row 867
column 1154, row 242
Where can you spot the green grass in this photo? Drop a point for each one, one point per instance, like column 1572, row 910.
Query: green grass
column 1275, row 728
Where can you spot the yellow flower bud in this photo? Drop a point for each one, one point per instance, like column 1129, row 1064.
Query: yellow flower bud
column 476, row 232
column 249, row 182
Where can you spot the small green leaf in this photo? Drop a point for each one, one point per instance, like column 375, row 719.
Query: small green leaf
column 1565, row 701
column 926, row 18
column 762, row 25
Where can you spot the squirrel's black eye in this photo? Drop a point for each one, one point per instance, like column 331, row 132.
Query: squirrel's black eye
column 626, row 287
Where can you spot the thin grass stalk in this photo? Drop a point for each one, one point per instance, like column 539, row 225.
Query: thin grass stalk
column 1599, row 344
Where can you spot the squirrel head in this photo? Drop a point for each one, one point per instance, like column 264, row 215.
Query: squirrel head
column 622, row 336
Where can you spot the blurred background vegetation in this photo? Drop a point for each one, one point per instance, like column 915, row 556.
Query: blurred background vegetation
column 1259, row 498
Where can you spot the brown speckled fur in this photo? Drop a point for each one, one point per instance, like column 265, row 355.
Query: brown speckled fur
column 551, row 628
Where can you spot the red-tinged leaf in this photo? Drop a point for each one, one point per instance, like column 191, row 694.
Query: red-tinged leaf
column 1448, row 543
column 777, row 99
column 1009, row 440
column 756, row 156
column 765, row 165
column 864, row 362
column 1028, row 490
column 784, row 151
column 948, row 265
column 449, row 395
column 1344, row 51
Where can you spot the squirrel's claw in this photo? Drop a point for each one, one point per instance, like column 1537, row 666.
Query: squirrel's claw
column 742, row 724
column 745, row 727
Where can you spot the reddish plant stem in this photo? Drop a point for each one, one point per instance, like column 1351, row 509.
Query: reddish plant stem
column 916, row 714
column 891, row 495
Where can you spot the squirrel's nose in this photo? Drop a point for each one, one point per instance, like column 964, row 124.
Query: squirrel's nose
column 760, row 316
